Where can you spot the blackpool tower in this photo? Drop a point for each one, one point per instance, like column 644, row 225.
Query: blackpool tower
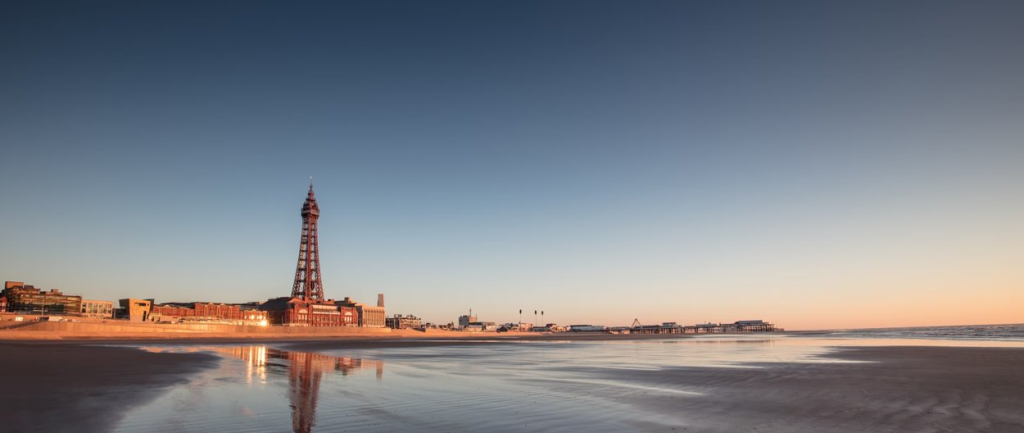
column 307, row 273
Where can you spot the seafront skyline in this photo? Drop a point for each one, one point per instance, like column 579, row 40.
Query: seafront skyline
column 818, row 167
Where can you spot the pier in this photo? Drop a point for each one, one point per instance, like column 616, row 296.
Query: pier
column 742, row 326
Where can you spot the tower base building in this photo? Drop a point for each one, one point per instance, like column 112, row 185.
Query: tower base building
column 307, row 306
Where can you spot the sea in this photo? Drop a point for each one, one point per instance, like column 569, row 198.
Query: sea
column 520, row 386
column 1011, row 332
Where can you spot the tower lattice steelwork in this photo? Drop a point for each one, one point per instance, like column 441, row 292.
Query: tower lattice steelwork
column 307, row 274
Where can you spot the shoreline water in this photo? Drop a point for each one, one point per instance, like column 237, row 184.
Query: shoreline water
column 93, row 384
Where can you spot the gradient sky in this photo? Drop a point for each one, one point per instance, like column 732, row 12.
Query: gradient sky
column 819, row 164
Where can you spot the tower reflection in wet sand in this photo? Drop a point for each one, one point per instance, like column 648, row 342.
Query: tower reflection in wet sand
column 305, row 371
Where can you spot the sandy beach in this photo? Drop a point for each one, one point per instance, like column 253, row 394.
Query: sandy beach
column 50, row 386
column 60, row 387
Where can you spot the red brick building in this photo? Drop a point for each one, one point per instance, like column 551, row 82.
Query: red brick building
column 207, row 312
column 297, row 312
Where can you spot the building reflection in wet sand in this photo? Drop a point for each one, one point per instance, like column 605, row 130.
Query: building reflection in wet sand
column 305, row 371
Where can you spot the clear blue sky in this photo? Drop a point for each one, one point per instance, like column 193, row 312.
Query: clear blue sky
column 818, row 164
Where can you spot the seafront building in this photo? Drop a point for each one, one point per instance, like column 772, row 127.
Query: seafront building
column 407, row 321
column 550, row 327
column 369, row 316
column 147, row 310
column 134, row 310
column 303, row 312
column 480, row 327
column 177, row 312
column 465, row 320
column 25, row 298
column 469, row 322
column 97, row 309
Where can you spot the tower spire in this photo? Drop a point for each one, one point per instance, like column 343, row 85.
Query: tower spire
column 308, row 285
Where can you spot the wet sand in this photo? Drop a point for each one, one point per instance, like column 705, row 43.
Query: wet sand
column 65, row 387
column 49, row 386
column 898, row 389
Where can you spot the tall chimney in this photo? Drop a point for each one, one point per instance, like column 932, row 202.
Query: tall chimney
column 380, row 300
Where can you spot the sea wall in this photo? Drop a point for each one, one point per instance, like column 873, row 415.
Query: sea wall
column 85, row 329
